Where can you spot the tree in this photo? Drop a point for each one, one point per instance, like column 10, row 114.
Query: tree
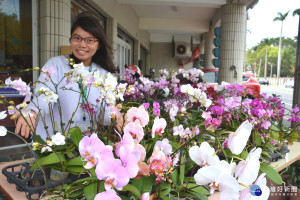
column 280, row 17
column 256, row 56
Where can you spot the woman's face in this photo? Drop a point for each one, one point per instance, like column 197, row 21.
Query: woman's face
column 83, row 45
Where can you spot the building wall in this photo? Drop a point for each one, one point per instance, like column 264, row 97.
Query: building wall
column 161, row 57
column 55, row 24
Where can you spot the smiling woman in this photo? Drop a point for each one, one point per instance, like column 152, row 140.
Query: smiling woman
column 88, row 46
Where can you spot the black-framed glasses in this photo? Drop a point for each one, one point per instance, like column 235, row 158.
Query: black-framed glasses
column 87, row 40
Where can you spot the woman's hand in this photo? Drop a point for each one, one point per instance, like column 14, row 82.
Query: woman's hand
column 22, row 126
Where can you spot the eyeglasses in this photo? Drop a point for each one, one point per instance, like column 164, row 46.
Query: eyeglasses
column 87, row 40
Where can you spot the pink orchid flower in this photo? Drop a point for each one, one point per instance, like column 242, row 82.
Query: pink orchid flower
column 90, row 148
column 126, row 141
column 130, row 162
column 114, row 111
column 138, row 114
column 164, row 145
column 159, row 126
column 114, row 174
column 146, row 196
column 157, row 161
column 203, row 155
column 107, row 195
column 135, row 130
column 238, row 140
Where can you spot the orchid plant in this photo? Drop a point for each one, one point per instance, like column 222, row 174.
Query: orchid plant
column 176, row 139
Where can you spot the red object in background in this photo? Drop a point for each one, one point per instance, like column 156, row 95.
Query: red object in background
column 196, row 54
column 211, row 77
column 180, row 63
column 135, row 68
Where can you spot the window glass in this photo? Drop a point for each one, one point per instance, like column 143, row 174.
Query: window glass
column 16, row 38
column 210, row 77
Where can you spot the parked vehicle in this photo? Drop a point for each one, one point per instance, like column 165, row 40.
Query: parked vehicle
column 289, row 84
column 211, row 76
column 263, row 81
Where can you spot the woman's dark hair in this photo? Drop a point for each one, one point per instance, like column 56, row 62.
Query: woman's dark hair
column 103, row 55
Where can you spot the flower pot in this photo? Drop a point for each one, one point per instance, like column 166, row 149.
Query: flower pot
column 56, row 175
column 294, row 192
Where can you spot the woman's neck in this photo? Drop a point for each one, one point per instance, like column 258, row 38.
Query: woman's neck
column 87, row 63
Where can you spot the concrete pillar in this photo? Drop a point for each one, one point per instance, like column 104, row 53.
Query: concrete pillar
column 208, row 46
column 55, row 26
column 201, row 45
column 136, row 52
column 112, row 36
column 233, row 36
column 296, row 95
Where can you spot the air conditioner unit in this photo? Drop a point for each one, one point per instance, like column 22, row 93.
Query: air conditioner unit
column 182, row 50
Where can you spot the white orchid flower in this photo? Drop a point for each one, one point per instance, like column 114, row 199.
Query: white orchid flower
column 3, row 114
column 203, row 155
column 3, row 131
column 247, row 171
column 261, row 182
column 50, row 97
column 58, row 139
column 219, row 178
column 46, row 148
column 238, row 140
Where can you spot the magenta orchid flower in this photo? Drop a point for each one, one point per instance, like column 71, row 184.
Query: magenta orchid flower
column 159, row 126
column 238, row 140
column 107, row 195
column 138, row 114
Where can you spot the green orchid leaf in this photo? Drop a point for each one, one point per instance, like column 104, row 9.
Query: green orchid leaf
column 271, row 173
column 182, row 170
column 90, row 191
column 165, row 189
column 76, row 169
column 174, row 177
column 76, row 161
column 244, row 155
column 76, row 135
column 76, row 193
column 50, row 159
column 133, row 190
column 274, row 128
column 144, row 184
column 196, row 195
column 198, row 188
